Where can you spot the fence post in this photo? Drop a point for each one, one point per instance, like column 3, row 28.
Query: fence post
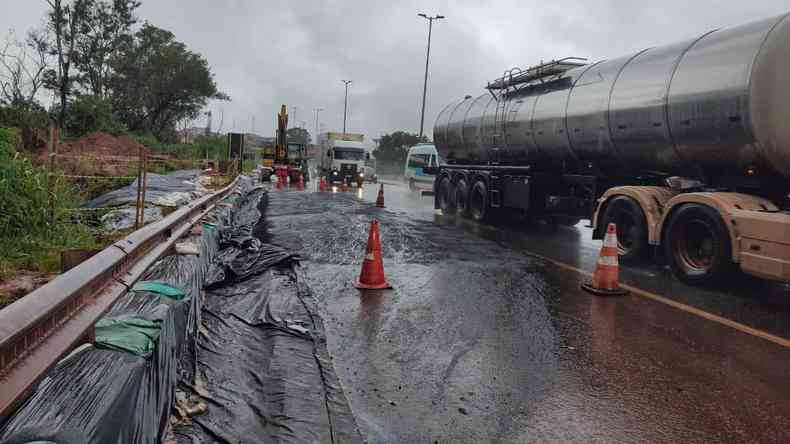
column 52, row 151
column 139, row 187
column 145, row 184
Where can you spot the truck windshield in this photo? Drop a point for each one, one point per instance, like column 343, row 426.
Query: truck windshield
column 419, row 160
column 349, row 154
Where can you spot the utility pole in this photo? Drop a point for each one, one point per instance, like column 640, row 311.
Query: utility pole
column 317, row 110
column 345, row 105
column 427, row 58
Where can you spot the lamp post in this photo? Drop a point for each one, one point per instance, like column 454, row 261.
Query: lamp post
column 345, row 105
column 427, row 58
column 317, row 110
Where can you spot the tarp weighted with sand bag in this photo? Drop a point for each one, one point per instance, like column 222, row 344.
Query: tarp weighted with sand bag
column 121, row 389
column 258, row 360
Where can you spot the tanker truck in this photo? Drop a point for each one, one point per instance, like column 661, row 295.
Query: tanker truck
column 685, row 147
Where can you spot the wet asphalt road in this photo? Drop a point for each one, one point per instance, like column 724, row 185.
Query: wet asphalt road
column 481, row 342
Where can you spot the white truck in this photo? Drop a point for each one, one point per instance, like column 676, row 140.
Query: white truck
column 343, row 156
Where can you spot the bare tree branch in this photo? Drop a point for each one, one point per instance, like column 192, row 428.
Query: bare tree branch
column 21, row 74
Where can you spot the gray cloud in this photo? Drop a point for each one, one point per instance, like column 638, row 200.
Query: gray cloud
column 265, row 53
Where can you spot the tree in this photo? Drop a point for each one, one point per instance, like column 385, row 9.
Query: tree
column 297, row 135
column 89, row 113
column 107, row 25
column 67, row 22
column 157, row 82
column 22, row 67
column 392, row 149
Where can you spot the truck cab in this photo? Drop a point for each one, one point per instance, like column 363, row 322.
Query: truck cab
column 344, row 159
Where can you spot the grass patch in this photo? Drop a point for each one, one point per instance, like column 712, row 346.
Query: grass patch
column 37, row 220
column 211, row 147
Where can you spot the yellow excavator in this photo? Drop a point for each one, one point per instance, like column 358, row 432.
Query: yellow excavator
column 289, row 158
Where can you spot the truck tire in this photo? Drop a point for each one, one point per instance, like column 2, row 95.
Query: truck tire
column 462, row 197
column 446, row 196
column 697, row 245
column 478, row 201
column 626, row 213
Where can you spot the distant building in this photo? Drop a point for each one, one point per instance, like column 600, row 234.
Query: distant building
column 257, row 141
column 189, row 135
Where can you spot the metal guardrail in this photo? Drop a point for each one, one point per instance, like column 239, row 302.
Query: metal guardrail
column 39, row 329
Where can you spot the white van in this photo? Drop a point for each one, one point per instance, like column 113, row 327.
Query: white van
column 420, row 156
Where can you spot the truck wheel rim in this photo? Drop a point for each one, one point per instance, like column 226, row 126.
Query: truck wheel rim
column 695, row 247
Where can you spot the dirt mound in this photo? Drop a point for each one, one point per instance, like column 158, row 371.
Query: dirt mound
column 102, row 145
column 99, row 154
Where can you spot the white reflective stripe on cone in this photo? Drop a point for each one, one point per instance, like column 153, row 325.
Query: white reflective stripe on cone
column 610, row 240
column 608, row 260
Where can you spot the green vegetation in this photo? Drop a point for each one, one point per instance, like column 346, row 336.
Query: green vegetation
column 248, row 165
column 158, row 82
column 392, row 150
column 108, row 74
column 36, row 221
column 212, row 147
column 88, row 114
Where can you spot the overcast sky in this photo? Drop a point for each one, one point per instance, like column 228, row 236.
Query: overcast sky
column 265, row 53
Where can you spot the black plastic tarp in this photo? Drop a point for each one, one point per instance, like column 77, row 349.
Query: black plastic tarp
column 117, row 390
column 263, row 367
column 157, row 187
column 251, row 348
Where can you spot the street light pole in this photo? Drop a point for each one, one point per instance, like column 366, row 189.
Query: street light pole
column 317, row 110
column 345, row 105
column 427, row 58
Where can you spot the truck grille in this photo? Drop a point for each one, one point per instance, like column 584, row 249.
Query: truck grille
column 348, row 169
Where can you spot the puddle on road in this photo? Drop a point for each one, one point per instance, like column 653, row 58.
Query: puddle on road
column 479, row 342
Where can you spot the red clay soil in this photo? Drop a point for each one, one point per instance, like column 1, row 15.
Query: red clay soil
column 96, row 154
column 100, row 145
column 20, row 284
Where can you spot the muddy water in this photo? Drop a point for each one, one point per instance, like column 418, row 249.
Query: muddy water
column 480, row 342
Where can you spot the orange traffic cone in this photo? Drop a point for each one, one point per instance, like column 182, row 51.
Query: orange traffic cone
column 344, row 187
column 322, row 184
column 300, row 184
column 380, row 198
column 605, row 281
column 372, row 274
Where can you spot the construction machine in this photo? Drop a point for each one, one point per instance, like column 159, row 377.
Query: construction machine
column 289, row 159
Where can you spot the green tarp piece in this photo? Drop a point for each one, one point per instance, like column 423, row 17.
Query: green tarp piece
column 133, row 335
column 160, row 288
column 210, row 226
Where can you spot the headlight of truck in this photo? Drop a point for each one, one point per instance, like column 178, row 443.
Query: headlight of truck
column 334, row 173
column 361, row 174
